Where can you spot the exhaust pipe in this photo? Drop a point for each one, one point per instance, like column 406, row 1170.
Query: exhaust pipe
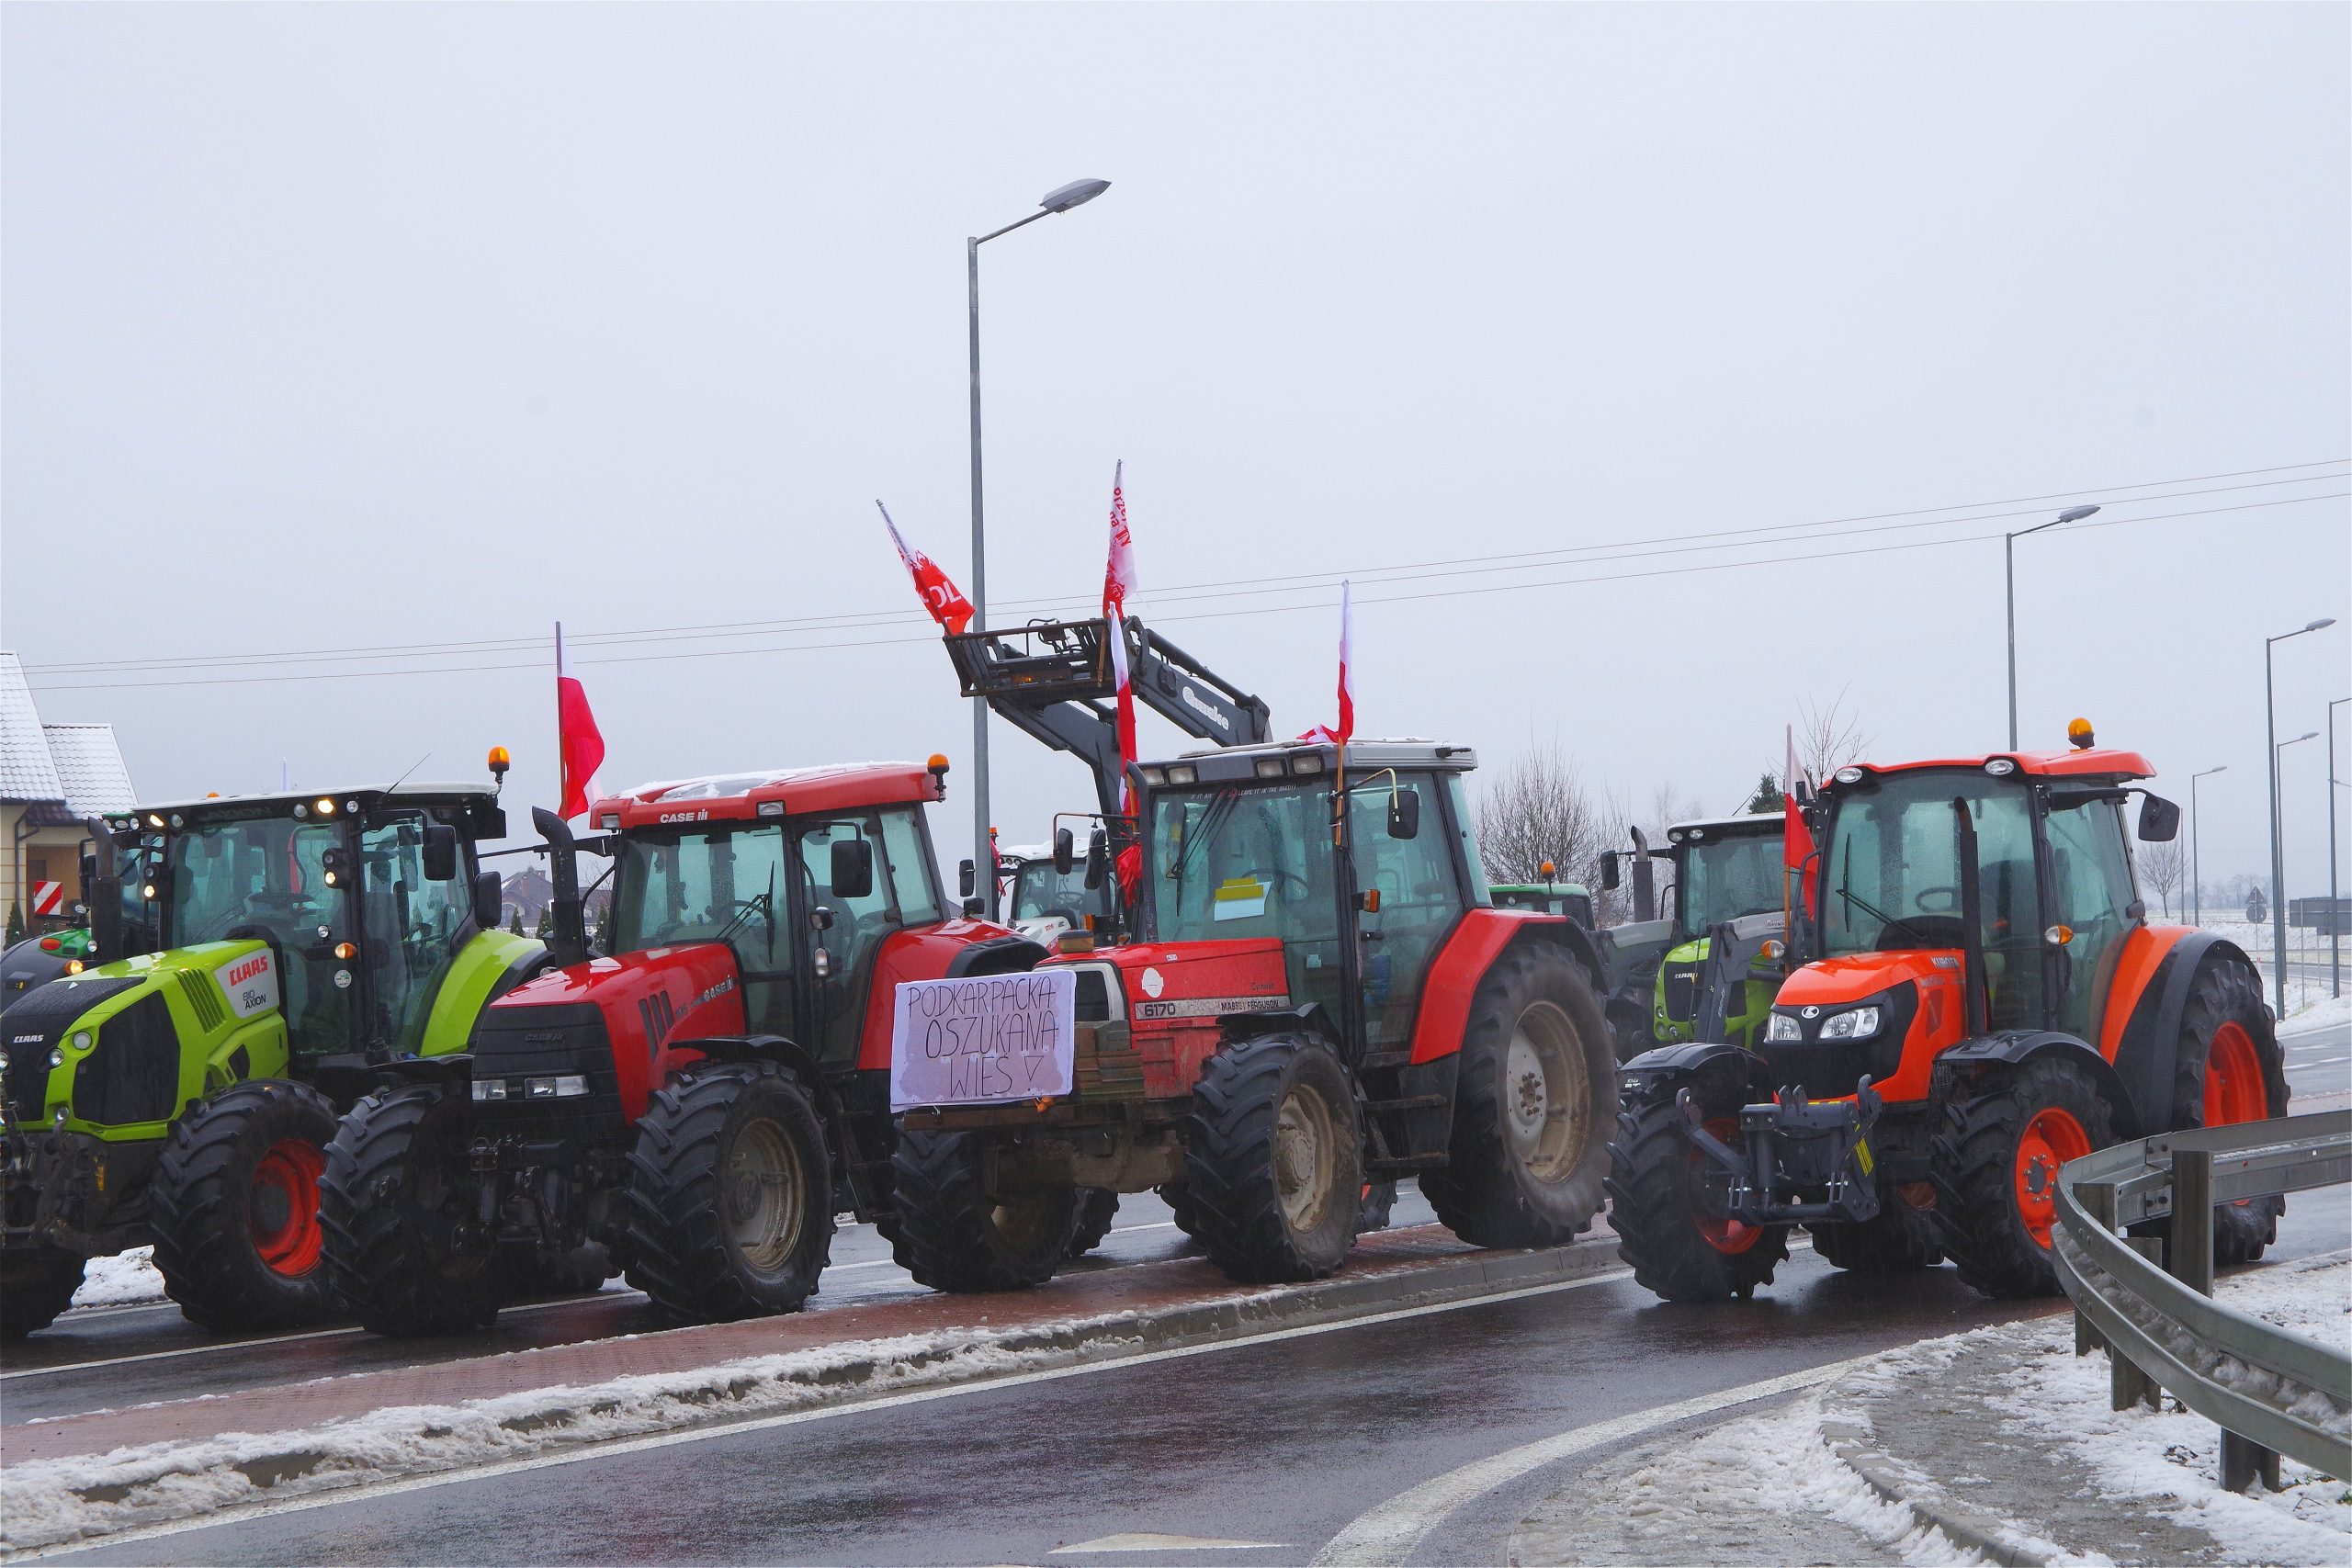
column 568, row 941
column 102, row 891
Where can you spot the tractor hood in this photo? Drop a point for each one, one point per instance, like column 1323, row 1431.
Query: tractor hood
column 601, row 1030
column 1835, row 982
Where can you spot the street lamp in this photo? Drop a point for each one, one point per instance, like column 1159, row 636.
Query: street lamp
column 2279, row 890
column 1059, row 199
column 2277, row 855
column 2196, row 904
column 2335, row 910
column 2010, row 571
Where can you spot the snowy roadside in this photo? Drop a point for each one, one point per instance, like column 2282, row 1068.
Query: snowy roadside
column 126, row 1279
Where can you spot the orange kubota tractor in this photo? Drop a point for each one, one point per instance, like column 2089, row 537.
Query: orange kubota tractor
column 1984, row 1000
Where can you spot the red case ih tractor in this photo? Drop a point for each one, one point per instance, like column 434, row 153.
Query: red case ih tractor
column 1315, row 990
column 1984, row 1001
column 701, row 1098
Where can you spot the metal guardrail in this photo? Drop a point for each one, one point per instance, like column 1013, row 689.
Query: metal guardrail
column 2270, row 1391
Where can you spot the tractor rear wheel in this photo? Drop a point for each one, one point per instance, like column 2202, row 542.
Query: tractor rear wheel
column 1899, row 1239
column 400, row 1207
column 234, row 1207
column 2229, row 1068
column 953, row 1235
column 1656, row 1203
column 36, row 1284
column 1273, row 1159
column 731, row 1194
column 1995, row 1170
column 1531, row 1107
column 1097, row 1207
column 1179, row 1199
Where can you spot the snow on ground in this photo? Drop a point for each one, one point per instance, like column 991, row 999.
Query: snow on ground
column 2169, row 1464
column 125, row 1278
column 47, row 1501
column 2325, row 1012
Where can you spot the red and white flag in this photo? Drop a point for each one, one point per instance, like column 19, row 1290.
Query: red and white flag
column 940, row 596
column 1119, row 575
column 580, row 745
column 1340, row 734
column 1796, row 838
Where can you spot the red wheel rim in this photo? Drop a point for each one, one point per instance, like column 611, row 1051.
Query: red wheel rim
column 282, row 1207
column 2233, row 1087
column 1724, row 1234
column 2049, row 1140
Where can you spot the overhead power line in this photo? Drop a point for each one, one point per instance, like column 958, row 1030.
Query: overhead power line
column 1318, row 604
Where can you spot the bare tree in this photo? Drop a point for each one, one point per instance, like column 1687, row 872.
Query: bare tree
column 1538, row 810
column 1829, row 738
column 2163, row 866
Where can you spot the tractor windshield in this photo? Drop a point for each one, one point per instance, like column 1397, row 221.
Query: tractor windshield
column 1890, row 876
column 1243, row 862
column 1722, row 879
column 1039, row 890
column 720, row 883
column 262, row 877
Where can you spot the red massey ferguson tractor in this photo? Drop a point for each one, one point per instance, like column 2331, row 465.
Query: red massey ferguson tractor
column 1984, row 1000
column 701, row 1097
column 1316, row 991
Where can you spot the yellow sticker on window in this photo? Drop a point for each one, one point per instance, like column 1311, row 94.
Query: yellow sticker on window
column 1239, row 898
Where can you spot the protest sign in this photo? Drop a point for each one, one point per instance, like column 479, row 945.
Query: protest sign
column 990, row 1038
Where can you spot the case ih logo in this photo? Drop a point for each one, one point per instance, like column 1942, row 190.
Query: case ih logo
column 701, row 816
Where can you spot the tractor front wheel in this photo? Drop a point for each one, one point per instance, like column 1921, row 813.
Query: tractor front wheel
column 234, row 1207
column 36, row 1284
column 731, row 1194
column 1898, row 1239
column 954, row 1236
column 1273, row 1159
column 1657, row 1205
column 2229, row 1069
column 1532, row 1106
column 1097, row 1207
column 1995, row 1170
column 401, row 1213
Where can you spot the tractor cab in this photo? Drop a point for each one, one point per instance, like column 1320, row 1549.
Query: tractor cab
column 1731, row 898
column 1057, row 890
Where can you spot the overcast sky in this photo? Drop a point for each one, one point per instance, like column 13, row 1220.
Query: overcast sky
column 348, row 327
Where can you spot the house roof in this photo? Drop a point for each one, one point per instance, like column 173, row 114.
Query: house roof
column 27, row 770
column 89, row 765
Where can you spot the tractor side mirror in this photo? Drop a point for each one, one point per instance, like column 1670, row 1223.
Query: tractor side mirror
column 489, row 899
column 2159, row 819
column 964, row 879
column 1098, row 858
column 853, row 868
column 1610, row 877
column 1065, row 852
column 1405, row 814
column 440, row 852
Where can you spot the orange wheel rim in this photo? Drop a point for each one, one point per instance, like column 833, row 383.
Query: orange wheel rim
column 2233, row 1087
column 282, row 1207
column 2049, row 1140
column 1724, row 1234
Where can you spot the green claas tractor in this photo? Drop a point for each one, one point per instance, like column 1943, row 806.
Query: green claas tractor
column 182, row 1091
column 1709, row 970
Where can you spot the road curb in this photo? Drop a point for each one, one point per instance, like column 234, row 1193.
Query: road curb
column 76, row 1498
column 1852, row 1441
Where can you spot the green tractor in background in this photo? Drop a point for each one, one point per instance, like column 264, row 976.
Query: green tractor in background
column 184, row 1090
column 1546, row 898
column 1710, row 969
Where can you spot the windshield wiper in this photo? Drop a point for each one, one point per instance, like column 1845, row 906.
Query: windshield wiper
column 1204, row 831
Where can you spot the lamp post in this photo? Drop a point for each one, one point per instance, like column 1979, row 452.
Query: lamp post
column 2009, row 574
column 2335, row 910
column 2196, row 904
column 1059, row 199
column 2277, row 855
column 2278, row 891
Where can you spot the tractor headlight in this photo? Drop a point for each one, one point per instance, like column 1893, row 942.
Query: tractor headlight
column 1854, row 1023
column 81, row 1040
column 56, row 1057
column 569, row 1086
column 490, row 1089
column 1782, row 1029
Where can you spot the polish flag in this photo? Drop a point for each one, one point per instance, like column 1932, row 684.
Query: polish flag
column 1119, row 575
column 1343, row 732
column 940, row 596
column 1116, row 627
column 1796, row 838
column 579, row 745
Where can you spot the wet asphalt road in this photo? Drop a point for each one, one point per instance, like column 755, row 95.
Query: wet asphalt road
column 2318, row 1062
column 1280, row 1443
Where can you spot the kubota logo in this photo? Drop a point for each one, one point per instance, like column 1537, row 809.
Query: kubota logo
column 1191, row 700
column 237, row 974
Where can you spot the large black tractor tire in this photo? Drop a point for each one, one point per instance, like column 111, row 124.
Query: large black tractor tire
column 36, row 1284
column 1532, row 1107
column 2229, row 1068
column 1655, row 1196
column 731, row 1194
column 234, row 1207
column 1273, row 1159
column 1097, row 1207
column 1372, row 1209
column 1995, row 1166
column 1897, row 1240
column 1181, row 1208
column 953, row 1236
column 398, row 1202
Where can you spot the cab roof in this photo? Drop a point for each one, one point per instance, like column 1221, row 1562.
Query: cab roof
column 472, row 795
column 2090, row 763
column 1754, row 824
column 776, row 792
column 1228, row 764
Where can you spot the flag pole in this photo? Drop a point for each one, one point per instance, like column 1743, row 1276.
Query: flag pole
column 558, row 716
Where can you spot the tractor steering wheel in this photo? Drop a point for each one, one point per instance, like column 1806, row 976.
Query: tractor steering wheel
column 1937, row 900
